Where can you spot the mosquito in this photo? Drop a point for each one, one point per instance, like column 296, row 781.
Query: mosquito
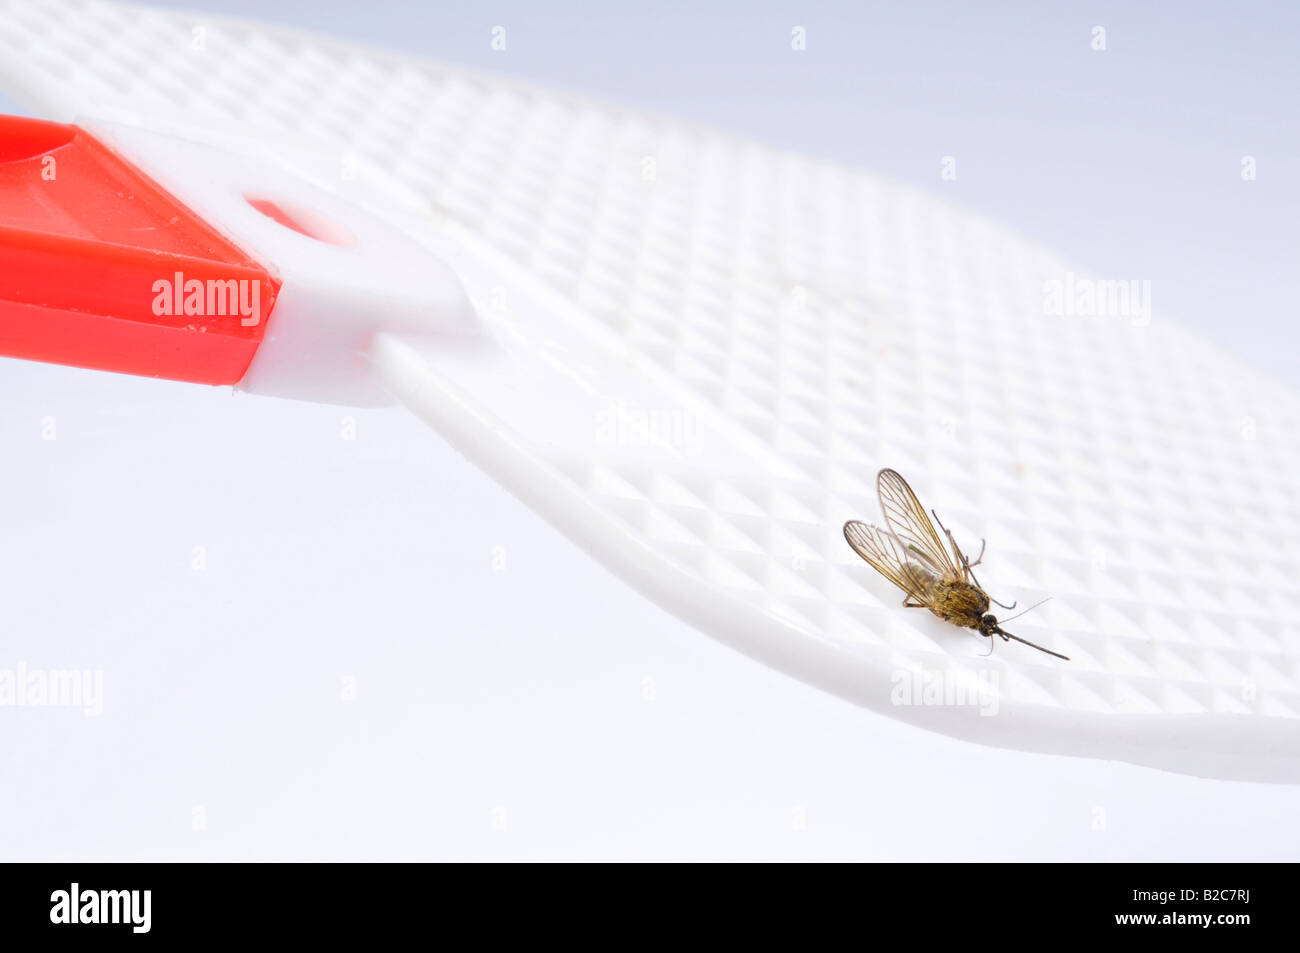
column 911, row 555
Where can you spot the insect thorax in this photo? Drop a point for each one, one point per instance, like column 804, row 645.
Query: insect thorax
column 958, row 602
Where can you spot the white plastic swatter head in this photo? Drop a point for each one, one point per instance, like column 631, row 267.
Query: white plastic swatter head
column 702, row 351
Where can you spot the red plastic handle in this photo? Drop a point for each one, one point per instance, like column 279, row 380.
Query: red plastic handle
column 101, row 268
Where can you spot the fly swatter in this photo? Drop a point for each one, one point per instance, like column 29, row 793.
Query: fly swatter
column 695, row 367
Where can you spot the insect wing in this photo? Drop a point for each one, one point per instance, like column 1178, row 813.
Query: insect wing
column 908, row 521
column 887, row 556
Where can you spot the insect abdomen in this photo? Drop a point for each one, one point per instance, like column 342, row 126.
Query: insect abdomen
column 922, row 579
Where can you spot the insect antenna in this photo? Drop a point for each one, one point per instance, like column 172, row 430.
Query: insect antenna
column 1008, row 635
column 1023, row 611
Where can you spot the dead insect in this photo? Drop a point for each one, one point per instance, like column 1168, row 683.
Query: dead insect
column 911, row 556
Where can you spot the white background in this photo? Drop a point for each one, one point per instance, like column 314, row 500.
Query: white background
column 503, row 712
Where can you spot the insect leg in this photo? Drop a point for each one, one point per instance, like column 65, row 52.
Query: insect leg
column 970, row 572
column 952, row 541
column 964, row 562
